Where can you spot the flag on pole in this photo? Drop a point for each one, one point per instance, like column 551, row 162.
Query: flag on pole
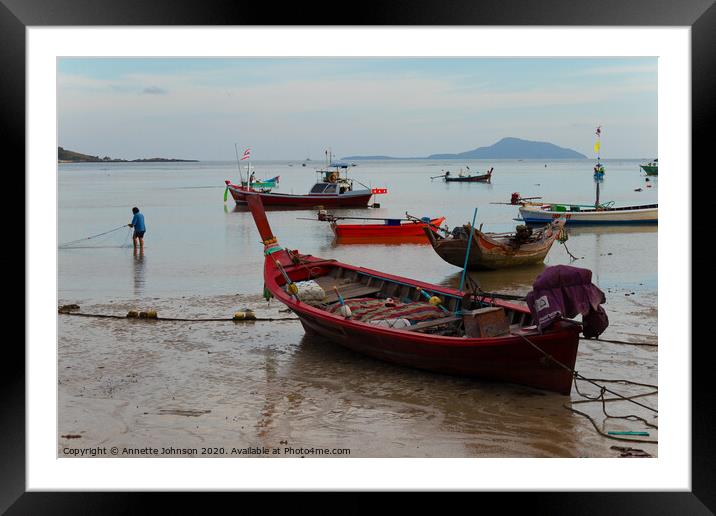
column 596, row 148
column 247, row 154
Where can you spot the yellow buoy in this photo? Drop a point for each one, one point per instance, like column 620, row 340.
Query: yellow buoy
column 293, row 289
column 435, row 301
column 133, row 314
column 247, row 315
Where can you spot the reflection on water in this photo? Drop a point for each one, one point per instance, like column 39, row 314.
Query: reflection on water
column 273, row 395
column 619, row 229
column 463, row 416
column 138, row 270
column 513, row 279
column 383, row 242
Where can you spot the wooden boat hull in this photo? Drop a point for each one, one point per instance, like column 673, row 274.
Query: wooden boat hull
column 369, row 232
column 355, row 198
column 509, row 360
column 506, row 358
column 644, row 214
column 489, row 253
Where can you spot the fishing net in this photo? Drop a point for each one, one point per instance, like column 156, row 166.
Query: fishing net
column 114, row 238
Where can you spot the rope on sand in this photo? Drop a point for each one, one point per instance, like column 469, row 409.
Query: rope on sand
column 622, row 342
column 151, row 315
column 601, row 398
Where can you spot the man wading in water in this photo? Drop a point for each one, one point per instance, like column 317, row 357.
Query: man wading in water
column 139, row 229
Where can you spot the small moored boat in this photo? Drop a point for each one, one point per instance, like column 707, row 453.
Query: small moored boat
column 390, row 229
column 651, row 168
column 263, row 183
column 332, row 189
column 489, row 251
column 484, row 178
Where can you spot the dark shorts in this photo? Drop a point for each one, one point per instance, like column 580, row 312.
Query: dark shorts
column 138, row 234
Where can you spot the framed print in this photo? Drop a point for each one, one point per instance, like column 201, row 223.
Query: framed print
column 174, row 344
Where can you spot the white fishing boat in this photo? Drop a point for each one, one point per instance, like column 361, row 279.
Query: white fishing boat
column 581, row 214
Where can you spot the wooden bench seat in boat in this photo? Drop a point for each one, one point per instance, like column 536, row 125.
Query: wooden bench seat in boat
column 347, row 290
column 432, row 322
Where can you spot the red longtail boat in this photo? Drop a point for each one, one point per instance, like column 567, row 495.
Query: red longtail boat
column 333, row 189
column 416, row 324
column 391, row 229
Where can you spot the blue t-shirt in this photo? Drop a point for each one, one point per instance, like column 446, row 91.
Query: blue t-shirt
column 138, row 222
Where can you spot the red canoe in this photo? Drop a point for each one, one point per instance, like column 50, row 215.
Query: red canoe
column 391, row 229
column 387, row 317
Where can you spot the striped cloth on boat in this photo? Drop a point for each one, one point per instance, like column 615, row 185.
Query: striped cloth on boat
column 370, row 309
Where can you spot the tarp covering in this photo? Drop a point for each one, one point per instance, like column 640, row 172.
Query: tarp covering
column 564, row 291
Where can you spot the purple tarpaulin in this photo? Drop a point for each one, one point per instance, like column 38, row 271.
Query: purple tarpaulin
column 564, row 291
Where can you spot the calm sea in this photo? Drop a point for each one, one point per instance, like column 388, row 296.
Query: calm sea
column 197, row 244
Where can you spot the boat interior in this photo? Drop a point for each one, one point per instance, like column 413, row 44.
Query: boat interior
column 331, row 188
column 373, row 299
column 582, row 209
column 522, row 235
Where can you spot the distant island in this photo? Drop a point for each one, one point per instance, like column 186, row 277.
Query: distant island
column 68, row 156
column 506, row 148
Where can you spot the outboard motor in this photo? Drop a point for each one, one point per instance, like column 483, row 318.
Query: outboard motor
column 459, row 233
column 523, row 233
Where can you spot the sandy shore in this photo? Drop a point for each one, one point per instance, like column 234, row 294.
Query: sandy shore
column 203, row 389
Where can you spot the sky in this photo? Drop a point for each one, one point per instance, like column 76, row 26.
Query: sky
column 296, row 108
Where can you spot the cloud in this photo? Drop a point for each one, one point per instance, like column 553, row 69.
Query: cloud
column 396, row 112
column 154, row 90
column 626, row 69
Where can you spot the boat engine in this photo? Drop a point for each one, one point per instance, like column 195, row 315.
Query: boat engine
column 460, row 233
column 523, row 233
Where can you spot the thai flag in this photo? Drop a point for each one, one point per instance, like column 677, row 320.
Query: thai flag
column 247, row 154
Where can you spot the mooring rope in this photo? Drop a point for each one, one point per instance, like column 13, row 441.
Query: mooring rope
column 179, row 319
column 600, row 397
column 622, row 342
column 73, row 242
column 563, row 236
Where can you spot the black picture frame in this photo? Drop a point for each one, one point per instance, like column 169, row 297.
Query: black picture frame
column 700, row 15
